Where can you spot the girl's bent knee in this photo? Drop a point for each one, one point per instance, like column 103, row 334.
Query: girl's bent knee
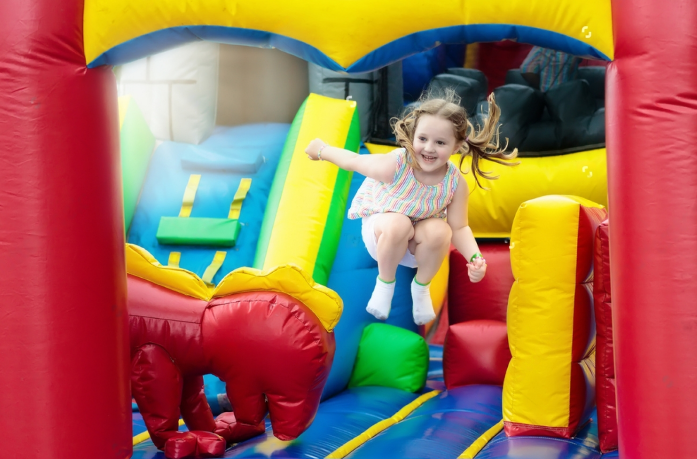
column 444, row 232
column 398, row 228
column 437, row 234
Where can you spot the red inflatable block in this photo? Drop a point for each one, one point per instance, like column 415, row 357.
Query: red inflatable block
column 604, row 358
column 271, row 351
column 487, row 299
column 476, row 352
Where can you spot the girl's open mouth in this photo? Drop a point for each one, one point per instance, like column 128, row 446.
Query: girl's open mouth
column 428, row 159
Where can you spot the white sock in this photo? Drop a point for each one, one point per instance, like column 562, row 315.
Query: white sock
column 423, row 307
column 381, row 299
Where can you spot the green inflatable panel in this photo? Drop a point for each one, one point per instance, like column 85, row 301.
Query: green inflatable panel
column 390, row 356
column 137, row 144
column 198, row 231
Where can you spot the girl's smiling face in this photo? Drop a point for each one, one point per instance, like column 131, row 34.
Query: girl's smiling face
column 434, row 142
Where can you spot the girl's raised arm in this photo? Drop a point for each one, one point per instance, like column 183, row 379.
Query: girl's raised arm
column 377, row 167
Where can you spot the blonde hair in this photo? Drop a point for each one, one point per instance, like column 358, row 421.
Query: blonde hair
column 480, row 143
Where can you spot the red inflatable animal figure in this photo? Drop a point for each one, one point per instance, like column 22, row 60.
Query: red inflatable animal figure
column 272, row 351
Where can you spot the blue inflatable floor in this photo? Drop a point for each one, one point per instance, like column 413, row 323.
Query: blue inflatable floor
column 443, row 427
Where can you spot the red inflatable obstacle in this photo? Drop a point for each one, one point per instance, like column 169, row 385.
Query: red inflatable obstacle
column 476, row 345
column 272, row 350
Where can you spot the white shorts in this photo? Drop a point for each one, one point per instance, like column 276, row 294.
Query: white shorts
column 371, row 242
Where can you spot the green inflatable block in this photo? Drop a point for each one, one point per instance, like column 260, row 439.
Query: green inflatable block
column 390, row 356
column 198, row 231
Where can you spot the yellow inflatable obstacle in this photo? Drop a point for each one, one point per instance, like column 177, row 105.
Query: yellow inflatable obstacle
column 549, row 385
column 307, row 202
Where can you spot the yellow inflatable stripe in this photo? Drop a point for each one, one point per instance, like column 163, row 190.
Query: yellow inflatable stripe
column 213, row 268
column 189, row 195
column 140, row 263
column 481, row 442
column 174, row 258
column 589, row 21
column 346, row 449
column 240, row 194
column 439, row 290
column 325, row 303
column 124, row 101
column 344, row 33
column 141, row 437
column 377, row 149
column 491, row 212
column 309, row 186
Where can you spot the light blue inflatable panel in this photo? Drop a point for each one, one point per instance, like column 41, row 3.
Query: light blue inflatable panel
column 230, row 154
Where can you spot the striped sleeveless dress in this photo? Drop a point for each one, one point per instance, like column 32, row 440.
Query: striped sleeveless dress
column 405, row 194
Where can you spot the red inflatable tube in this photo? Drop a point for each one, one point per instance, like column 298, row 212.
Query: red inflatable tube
column 604, row 359
column 63, row 349
column 652, row 184
column 271, row 351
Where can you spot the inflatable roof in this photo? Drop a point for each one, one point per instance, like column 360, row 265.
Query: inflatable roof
column 356, row 36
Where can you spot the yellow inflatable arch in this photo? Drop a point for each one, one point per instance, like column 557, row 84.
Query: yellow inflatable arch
column 351, row 35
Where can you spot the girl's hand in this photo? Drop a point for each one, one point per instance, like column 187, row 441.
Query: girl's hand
column 476, row 269
column 313, row 148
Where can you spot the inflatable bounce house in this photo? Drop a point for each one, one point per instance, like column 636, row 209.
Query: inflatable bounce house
column 175, row 288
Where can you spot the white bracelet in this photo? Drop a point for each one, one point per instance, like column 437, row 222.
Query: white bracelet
column 319, row 152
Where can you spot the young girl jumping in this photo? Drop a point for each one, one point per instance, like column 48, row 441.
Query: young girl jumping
column 407, row 194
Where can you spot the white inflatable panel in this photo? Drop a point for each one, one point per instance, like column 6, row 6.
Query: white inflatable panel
column 176, row 90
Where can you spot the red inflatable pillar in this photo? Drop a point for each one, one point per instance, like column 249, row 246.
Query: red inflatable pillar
column 63, row 352
column 652, row 169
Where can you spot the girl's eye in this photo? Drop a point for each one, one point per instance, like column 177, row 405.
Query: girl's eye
column 441, row 143
column 422, row 139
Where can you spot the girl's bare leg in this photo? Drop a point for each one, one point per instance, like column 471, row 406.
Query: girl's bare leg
column 430, row 245
column 393, row 232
